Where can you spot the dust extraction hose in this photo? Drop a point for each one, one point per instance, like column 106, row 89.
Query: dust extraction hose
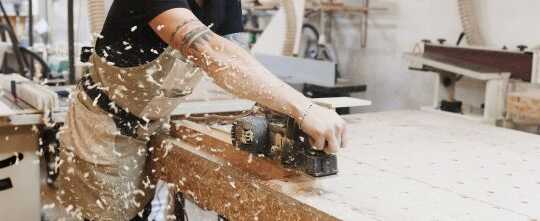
column 469, row 21
column 96, row 12
column 291, row 27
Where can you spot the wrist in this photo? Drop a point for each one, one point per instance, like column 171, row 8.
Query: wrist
column 301, row 110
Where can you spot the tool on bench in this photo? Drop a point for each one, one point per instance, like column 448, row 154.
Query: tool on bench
column 278, row 136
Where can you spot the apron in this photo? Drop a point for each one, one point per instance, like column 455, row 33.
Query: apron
column 104, row 174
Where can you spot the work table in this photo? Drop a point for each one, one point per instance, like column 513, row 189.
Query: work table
column 400, row 165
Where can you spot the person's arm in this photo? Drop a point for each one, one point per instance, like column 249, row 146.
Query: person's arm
column 234, row 69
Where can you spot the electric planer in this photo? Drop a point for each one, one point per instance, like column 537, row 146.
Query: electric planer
column 279, row 137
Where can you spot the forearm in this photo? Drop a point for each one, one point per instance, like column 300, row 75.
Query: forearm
column 234, row 69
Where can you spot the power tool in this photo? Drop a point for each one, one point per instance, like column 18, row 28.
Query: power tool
column 278, row 136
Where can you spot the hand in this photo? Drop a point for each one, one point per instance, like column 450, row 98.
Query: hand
column 326, row 129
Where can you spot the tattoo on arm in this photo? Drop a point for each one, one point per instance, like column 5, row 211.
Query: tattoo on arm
column 192, row 36
column 189, row 31
column 178, row 28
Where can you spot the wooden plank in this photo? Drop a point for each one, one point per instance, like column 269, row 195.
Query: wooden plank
column 524, row 106
column 402, row 165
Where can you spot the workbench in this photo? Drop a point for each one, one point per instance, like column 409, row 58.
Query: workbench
column 400, row 165
column 20, row 128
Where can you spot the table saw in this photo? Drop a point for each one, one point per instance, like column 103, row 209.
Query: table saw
column 400, row 165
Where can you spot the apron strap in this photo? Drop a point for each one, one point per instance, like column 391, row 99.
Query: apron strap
column 125, row 121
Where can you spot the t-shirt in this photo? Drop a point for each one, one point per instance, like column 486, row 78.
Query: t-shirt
column 127, row 39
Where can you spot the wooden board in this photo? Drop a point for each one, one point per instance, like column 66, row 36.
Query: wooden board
column 524, row 106
column 402, row 165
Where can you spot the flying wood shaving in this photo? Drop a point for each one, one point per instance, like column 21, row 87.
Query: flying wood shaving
column 167, row 148
column 49, row 206
column 100, row 205
column 255, row 185
column 137, row 204
column 94, row 103
column 139, row 192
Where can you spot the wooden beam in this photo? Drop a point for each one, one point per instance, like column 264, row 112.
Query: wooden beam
column 214, row 176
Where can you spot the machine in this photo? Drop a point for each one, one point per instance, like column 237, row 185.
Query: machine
column 495, row 68
column 279, row 137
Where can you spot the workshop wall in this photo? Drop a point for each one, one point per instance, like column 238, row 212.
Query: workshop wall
column 381, row 65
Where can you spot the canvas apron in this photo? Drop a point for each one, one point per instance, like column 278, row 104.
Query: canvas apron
column 105, row 175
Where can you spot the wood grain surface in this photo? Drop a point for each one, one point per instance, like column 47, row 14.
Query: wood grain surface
column 524, row 105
